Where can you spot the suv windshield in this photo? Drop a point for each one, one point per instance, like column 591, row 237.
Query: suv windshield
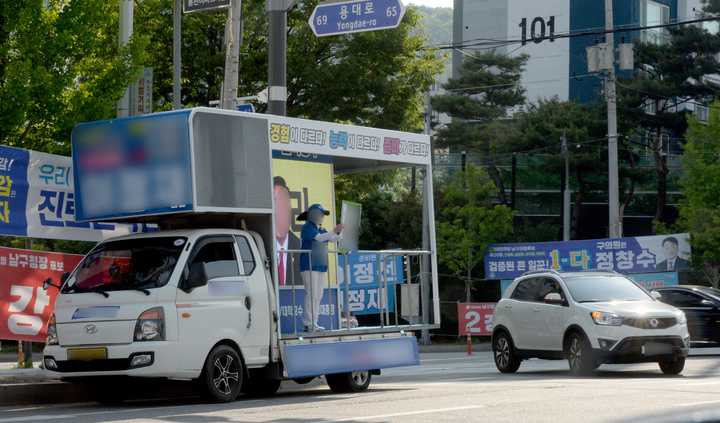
column 586, row 289
column 133, row 264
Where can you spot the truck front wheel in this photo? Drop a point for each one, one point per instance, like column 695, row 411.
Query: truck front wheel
column 222, row 375
column 349, row 382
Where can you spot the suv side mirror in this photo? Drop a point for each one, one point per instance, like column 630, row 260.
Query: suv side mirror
column 656, row 295
column 554, row 298
column 197, row 276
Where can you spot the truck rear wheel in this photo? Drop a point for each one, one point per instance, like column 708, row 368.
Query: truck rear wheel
column 341, row 383
column 222, row 375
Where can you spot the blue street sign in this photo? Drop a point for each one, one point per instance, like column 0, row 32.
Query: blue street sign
column 245, row 108
column 356, row 16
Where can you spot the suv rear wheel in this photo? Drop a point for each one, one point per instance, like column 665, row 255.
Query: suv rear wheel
column 580, row 355
column 505, row 359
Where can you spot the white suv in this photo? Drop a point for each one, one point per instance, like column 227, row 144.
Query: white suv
column 589, row 318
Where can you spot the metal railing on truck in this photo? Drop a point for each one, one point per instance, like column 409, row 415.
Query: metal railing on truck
column 383, row 257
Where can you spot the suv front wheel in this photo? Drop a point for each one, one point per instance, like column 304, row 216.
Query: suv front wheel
column 505, row 358
column 580, row 355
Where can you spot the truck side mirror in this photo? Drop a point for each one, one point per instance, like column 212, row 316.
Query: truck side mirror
column 197, row 276
column 48, row 282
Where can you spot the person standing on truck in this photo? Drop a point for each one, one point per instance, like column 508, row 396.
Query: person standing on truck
column 314, row 266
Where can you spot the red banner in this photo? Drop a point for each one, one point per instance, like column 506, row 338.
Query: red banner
column 477, row 317
column 24, row 306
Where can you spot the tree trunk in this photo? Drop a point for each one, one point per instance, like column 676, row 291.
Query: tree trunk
column 469, row 273
column 495, row 172
column 712, row 272
column 631, row 191
column 662, row 172
column 575, row 219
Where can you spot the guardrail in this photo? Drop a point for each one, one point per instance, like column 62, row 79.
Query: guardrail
column 383, row 275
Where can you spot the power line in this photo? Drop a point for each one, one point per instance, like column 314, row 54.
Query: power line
column 489, row 43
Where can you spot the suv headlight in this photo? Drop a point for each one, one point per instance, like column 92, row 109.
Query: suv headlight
column 52, row 338
column 606, row 319
column 150, row 325
column 680, row 316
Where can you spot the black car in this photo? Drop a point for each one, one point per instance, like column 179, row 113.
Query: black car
column 701, row 305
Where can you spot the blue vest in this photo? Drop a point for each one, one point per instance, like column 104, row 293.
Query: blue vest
column 319, row 249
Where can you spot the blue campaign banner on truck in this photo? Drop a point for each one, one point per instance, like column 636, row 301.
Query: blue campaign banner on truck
column 624, row 255
column 364, row 284
column 37, row 199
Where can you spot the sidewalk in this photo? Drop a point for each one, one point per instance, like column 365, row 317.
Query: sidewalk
column 30, row 386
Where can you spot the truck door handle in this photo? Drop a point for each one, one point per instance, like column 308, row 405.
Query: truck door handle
column 508, row 305
column 536, row 309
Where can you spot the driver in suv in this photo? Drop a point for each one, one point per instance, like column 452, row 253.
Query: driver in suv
column 589, row 318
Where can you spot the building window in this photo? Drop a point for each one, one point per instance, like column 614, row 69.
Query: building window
column 703, row 112
column 656, row 14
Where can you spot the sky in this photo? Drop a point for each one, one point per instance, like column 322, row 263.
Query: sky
column 430, row 3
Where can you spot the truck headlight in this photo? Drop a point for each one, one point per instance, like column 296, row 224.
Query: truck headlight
column 606, row 319
column 150, row 325
column 680, row 316
column 52, row 338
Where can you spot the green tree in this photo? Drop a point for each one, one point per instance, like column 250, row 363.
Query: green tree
column 541, row 127
column 372, row 78
column 60, row 65
column 700, row 212
column 668, row 76
column 470, row 224
column 486, row 90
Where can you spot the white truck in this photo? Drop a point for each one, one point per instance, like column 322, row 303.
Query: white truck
column 200, row 299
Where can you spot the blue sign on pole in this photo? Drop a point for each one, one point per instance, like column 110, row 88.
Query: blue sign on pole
column 356, row 16
column 245, row 108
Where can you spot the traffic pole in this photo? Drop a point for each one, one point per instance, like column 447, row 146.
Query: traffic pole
column 469, row 341
column 20, row 351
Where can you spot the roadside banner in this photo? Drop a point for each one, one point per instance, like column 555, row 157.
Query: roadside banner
column 364, row 284
column 37, row 199
column 25, row 306
column 478, row 317
column 624, row 255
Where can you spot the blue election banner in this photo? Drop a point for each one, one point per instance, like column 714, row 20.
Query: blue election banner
column 328, row 309
column 13, row 190
column 624, row 255
column 364, row 284
column 131, row 167
column 356, row 16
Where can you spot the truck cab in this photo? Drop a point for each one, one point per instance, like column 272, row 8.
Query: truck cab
column 200, row 299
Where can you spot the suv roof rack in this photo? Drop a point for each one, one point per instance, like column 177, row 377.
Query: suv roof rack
column 598, row 270
column 530, row 272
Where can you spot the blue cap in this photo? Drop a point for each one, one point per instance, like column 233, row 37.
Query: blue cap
column 304, row 215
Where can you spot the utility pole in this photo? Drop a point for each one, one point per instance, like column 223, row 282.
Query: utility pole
column 126, row 30
column 613, row 195
column 566, row 193
column 277, row 55
column 425, row 260
column 177, row 31
column 233, row 29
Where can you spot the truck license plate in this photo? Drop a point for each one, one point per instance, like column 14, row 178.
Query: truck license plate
column 87, row 354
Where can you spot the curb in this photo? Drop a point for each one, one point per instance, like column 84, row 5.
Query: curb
column 452, row 348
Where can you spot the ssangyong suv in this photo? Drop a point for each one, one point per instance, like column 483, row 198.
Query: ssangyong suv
column 589, row 318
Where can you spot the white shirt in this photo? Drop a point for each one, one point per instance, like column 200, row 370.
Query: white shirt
column 279, row 247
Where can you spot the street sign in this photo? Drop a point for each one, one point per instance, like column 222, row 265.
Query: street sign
column 356, row 16
column 245, row 108
column 193, row 6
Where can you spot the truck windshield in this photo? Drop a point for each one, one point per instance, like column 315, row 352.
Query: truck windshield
column 586, row 289
column 133, row 264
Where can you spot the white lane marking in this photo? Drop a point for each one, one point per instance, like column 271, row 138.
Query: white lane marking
column 690, row 404
column 409, row 413
column 96, row 413
column 700, row 383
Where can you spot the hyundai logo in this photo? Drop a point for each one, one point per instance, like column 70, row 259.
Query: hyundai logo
column 653, row 322
column 90, row 329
